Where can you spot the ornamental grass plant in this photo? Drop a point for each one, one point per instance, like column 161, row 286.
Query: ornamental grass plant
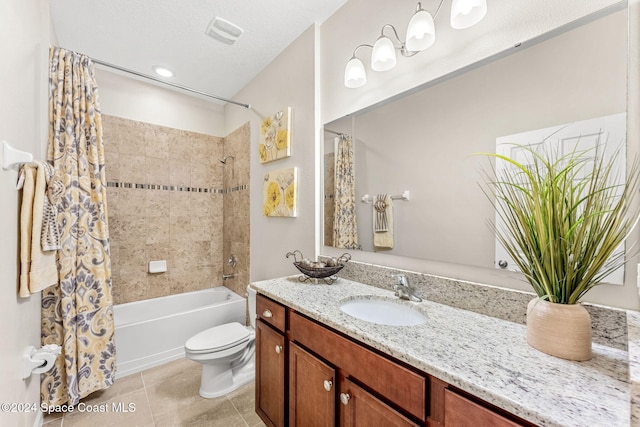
column 563, row 217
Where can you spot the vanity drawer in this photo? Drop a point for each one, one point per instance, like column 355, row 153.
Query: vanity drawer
column 462, row 412
column 270, row 312
column 403, row 387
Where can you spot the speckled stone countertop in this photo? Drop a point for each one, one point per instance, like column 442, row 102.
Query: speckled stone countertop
column 485, row 356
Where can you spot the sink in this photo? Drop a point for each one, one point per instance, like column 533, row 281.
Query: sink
column 383, row 312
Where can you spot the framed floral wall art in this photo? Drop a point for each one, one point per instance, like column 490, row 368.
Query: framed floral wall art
column 280, row 193
column 275, row 136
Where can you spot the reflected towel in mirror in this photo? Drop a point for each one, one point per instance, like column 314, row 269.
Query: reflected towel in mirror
column 383, row 222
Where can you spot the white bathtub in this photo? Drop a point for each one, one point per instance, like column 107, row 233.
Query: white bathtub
column 152, row 332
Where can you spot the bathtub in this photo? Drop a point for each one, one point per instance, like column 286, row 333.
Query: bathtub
column 152, row 332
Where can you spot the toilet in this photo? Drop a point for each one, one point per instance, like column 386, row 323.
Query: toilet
column 227, row 354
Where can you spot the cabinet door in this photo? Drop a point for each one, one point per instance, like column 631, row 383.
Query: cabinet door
column 461, row 412
column 270, row 370
column 358, row 408
column 311, row 390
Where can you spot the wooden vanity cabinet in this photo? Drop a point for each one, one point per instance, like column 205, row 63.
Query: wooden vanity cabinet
column 310, row 375
column 271, row 362
column 312, row 390
column 371, row 387
column 462, row 412
column 359, row 408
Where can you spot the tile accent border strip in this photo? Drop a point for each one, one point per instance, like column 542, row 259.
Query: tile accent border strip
column 160, row 187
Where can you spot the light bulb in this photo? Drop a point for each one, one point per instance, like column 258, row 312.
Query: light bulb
column 466, row 13
column 421, row 32
column 383, row 57
column 354, row 73
column 162, row 71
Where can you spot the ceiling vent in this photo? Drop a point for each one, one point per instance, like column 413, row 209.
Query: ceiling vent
column 223, row 30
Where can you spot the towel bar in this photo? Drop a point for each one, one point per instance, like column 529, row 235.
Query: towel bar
column 404, row 196
column 12, row 157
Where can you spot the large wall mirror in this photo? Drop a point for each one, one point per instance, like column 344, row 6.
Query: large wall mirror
column 425, row 142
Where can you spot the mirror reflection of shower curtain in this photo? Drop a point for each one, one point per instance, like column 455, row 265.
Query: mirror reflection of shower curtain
column 77, row 312
column 345, row 226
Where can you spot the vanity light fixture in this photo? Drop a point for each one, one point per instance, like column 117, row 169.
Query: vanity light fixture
column 354, row 73
column 162, row 71
column 421, row 35
column 467, row 13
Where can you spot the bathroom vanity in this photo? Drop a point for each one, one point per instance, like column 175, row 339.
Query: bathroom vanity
column 317, row 365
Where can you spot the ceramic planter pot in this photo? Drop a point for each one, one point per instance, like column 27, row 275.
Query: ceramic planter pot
column 561, row 330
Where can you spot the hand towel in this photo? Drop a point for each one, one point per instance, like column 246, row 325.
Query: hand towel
column 382, row 222
column 50, row 236
column 38, row 268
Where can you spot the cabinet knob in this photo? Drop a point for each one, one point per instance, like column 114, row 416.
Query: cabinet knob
column 278, row 349
column 344, row 398
column 267, row 313
column 327, row 385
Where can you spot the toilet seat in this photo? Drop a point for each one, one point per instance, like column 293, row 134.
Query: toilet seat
column 218, row 338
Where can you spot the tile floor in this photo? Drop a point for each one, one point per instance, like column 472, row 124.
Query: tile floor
column 164, row 396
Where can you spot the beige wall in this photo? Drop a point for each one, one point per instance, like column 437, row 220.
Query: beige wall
column 236, row 228
column 24, row 31
column 502, row 30
column 138, row 99
column 359, row 21
column 288, row 81
column 166, row 195
column 426, row 142
column 156, row 135
column 180, row 220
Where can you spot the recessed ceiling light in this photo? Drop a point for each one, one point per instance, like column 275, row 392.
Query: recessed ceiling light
column 162, row 71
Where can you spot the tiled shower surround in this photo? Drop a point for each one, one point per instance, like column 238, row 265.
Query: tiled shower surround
column 170, row 198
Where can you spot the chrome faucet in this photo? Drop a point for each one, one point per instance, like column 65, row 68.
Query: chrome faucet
column 404, row 290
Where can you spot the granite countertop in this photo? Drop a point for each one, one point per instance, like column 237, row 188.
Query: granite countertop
column 482, row 355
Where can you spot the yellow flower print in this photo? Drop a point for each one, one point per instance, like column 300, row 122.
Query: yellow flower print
column 267, row 209
column 281, row 142
column 272, row 200
column 266, row 124
column 262, row 151
column 290, row 195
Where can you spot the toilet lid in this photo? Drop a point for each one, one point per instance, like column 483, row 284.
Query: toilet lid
column 218, row 338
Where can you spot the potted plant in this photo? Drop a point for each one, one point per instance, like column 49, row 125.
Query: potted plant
column 562, row 217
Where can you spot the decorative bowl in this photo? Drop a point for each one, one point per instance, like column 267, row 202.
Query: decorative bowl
column 316, row 269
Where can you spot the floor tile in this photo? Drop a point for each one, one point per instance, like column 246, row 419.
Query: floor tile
column 171, row 370
column 243, row 400
column 130, row 410
column 164, row 396
column 120, row 386
column 52, row 422
column 202, row 413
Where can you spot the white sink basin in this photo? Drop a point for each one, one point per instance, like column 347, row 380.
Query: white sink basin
column 383, row 312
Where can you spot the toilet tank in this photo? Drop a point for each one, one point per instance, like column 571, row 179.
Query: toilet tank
column 252, row 305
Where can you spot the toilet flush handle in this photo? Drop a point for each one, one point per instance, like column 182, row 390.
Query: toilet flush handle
column 267, row 313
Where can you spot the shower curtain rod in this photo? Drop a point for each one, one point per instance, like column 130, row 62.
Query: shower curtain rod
column 188, row 89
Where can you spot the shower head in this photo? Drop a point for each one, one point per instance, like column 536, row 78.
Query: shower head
column 224, row 159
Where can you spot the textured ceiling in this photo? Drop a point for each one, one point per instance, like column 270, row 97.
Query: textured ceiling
column 138, row 34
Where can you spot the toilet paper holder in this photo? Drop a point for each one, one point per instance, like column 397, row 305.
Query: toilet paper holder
column 38, row 361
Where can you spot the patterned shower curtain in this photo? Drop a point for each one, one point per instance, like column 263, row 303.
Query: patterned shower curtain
column 77, row 313
column 345, row 226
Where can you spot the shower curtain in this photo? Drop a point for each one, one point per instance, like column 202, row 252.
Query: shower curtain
column 77, row 313
column 345, row 227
